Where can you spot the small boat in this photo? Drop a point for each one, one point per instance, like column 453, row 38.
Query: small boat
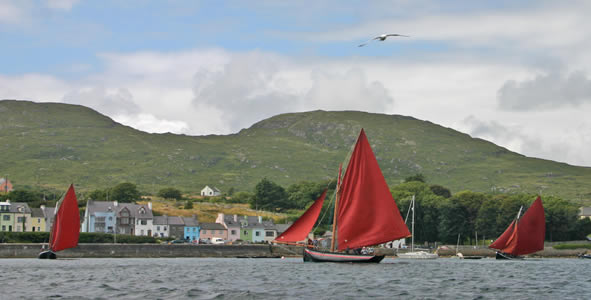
column 462, row 256
column 365, row 213
column 524, row 235
column 585, row 255
column 65, row 230
column 415, row 254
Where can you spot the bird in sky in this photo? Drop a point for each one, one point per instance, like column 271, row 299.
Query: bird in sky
column 382, row 38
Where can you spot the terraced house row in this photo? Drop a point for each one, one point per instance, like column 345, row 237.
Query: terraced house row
column 139, row 220
column 19, row 217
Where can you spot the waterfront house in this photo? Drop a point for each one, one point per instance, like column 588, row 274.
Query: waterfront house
column 231, row 224
column 177, row 227
column 99, row 216
column 37, row 220
column 21, row 216
column 144, row 219
column 6, row 217
column 207, row 191
column 213, row 230
column 5, row 185
column 191, row 229
column 270, row 232
column 121, row 218
column 252, row 229
column 160, row 226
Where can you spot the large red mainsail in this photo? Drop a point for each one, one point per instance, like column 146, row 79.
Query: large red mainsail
column 367, row 213
column 525, row 235
column 299, row 230
column 66, row 224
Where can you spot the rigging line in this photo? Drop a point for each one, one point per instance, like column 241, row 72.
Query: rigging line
column 332, row 197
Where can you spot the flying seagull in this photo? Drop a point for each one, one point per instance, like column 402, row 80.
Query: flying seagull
column 382, row 38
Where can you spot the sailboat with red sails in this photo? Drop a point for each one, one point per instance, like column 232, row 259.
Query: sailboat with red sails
column 524, row 235
column 65, row 230
column 365, row 213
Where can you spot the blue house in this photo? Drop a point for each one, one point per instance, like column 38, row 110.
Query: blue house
column 191, row 229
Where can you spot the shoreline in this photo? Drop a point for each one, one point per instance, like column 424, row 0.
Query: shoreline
column 32, row 250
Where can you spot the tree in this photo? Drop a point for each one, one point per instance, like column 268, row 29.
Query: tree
column 126, row 193
column 269, row 196
column 416, row 177
column 189, row 204
column 440, row 191
column 242, row 197
column 98, row 195
column 170, row 193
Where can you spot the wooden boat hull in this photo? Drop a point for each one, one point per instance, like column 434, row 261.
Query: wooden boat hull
column 338, row 257
column 47, row 255
column 501, row 255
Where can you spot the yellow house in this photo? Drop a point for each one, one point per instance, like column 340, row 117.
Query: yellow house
column 37, row 220
column 584, row 212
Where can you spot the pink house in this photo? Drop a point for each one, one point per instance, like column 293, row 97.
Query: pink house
column 209, row 231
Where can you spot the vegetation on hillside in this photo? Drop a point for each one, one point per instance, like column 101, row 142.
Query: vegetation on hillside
column 50, row 145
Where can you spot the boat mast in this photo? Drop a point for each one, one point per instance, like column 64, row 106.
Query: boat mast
column 334, row 215
column 412, row 244
column 519, row 213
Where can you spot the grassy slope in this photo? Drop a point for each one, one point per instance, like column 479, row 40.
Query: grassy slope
column 52, row 144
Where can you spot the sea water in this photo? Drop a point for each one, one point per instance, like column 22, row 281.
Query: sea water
column 290, row 278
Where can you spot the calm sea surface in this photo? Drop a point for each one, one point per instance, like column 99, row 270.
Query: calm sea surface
column 290, row 278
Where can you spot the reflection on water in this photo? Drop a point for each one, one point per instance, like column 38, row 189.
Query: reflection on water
column 227, row 278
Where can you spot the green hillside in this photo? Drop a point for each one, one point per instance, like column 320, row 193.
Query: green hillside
column 51, row 144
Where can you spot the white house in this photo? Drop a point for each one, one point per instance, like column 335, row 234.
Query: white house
column 160, row 227
column 207, row 191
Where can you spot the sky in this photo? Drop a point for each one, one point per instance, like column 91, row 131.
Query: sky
column 516, row 73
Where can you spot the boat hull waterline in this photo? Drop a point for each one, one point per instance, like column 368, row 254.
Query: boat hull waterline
column 47, row 255
column 339, row 257
column 501, row 255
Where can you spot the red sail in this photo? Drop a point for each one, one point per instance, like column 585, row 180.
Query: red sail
column 66, row 224
column 367, row 214
column 527, row 235
column 503, row 240
column 530, row 231
column 299, row 230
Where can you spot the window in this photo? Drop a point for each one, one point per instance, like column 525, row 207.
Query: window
column 164, row 229
column 245, row 232
column 204, row 231
column 142, row 232
column 6, row 217
column 269, row 233
column 258, row 233
column 158, row 228
column 38, row 220
column 38, row 228
column 233, row 232
column 3, row 227
column 124, row 221
column 144, row 222
column 21, row 219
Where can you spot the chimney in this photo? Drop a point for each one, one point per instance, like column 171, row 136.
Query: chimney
column 42, row 207
column 235, row 218
column 260, row 219
column 150, row 205
column 115, row 203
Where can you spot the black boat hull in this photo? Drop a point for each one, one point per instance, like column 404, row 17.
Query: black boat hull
column 584, row 255
column 501, row 255
column 47, row 255
column 338, row 257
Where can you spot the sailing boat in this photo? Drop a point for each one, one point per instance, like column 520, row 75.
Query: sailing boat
column 66, row 225
column 416, row 254
column 365, row 212
column 524, row 235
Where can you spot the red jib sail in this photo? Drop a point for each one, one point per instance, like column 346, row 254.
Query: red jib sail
column 367, row 213
column 66, row 224
column 527, row 233
column 299, row 230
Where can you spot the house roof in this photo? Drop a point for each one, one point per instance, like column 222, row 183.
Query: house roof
column 37, row 213
column 160, row 220
column 16, row 207
column 282, row 227
column 212, row 188
column 48, row 212
column 175, row 221
column 190, row 221
column 108, row 206
column 212, row 226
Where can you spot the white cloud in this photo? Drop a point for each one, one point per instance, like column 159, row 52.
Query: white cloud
column 150, row 123
column 105, row 101
column 11, row 12
column 546, row 91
